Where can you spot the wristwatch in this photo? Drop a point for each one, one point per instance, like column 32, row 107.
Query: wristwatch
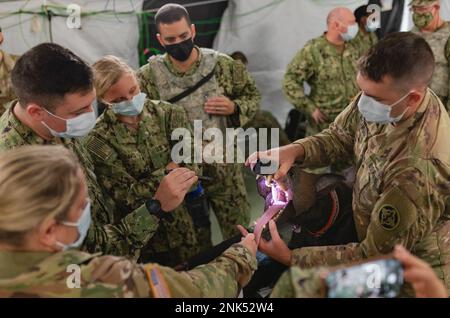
column 154, row 208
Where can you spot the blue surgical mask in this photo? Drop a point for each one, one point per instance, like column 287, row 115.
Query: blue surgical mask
column 130, row 107
column 79, row 126
column 352, row 31
column 82, row 225
column 376, row 112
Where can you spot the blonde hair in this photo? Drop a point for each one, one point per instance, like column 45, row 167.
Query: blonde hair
column 107, row 72
column 36, row 183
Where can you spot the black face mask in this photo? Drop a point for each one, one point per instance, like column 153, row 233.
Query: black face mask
column 180, row 51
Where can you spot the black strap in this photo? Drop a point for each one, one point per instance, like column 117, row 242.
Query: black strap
column 192, row 89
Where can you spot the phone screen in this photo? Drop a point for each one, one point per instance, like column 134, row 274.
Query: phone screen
column 377, row 279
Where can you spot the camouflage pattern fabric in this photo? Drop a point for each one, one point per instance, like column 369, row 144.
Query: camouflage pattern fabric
column 130, row 165
column 401, row 193
column 27, row 274
column 159, row 79
column 300, row 283
column 331, row 74
column 107, row 234
column 7, row 63
column 439, row 42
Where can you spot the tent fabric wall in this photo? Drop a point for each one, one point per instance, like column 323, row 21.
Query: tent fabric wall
column 270, row 38
column 99, row 34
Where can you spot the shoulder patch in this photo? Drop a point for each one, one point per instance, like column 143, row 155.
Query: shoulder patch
column 156, row 281
column 99, row 148
column 388, row 217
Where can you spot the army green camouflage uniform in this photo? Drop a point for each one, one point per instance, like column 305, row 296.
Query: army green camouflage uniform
column 401, row 193
column 300, row 283
column 7, row 63
column 130, row 166
column 265, row 119
column 330, row 74
column 27, row 274
column 364, row 41
column 439, row 42
column 159, row 79
column 107, row 234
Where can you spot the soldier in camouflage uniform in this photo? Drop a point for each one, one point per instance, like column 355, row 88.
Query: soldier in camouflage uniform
column 28, row 123
column 328, row 65
column 228, row 99
column 401, row 193
column 131, row 159
column 7, row 62
column 309, row 283
column 429, row 24
column 263, row 119
column 32, row 263
column 366, row 37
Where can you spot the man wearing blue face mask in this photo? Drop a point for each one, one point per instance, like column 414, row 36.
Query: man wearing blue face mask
column 328, row 65
column 55, row 93
column 396, row 131
column 212, row 88
column 366, row 37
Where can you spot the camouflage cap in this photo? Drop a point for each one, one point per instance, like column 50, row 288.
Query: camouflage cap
column 423, row 3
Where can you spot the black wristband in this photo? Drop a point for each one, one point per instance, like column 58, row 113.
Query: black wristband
column 154, row 208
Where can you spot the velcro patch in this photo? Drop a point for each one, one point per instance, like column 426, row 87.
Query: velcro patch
column 388, row 217
column 156, row 282
column 99, row 148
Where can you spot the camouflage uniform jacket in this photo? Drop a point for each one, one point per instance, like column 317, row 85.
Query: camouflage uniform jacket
column 231, row 76
column 402, row 189
column 27, row 274
column 7, row 63
column 330, row 74
column 118, row 237
column 439, row 42
column 131, row 164
column 364, row 41
column 300, row 283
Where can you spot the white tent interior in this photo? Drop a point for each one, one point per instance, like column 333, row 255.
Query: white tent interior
column 269, row 32
column 272, row 36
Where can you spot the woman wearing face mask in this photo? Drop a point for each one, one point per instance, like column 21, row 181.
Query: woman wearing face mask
column 131, row 148
column 49, row 210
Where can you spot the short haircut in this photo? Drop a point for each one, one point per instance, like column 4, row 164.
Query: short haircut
column 171, row 13
column 239, row 56
column 47, row 72
column 404, row 56
column 336, row 15
column 360, row 13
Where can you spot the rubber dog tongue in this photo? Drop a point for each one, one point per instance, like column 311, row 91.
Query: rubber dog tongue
column 276, row 201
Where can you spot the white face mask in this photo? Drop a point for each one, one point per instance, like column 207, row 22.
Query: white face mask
column 79, row 126
column 352, row 31
column 82, row 226
column 376, row 112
